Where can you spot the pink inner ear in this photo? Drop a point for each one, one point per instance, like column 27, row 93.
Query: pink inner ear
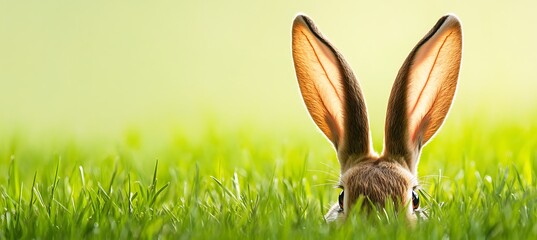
column 416, row 137
column 331, row 91
column 423, row 91
column 424, row 84
column 319, row 79
column 430, row 70
column 334, row 130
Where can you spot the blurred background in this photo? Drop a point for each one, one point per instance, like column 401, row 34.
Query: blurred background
column 108, row 68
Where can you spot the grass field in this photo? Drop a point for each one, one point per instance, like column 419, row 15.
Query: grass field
column 183, row 120
column 246, row 183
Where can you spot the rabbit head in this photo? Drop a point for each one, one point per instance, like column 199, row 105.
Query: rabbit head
column 420, row 99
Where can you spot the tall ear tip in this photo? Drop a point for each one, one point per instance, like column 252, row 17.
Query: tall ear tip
column 451, row 21
column 304, row 24
column 300, row 20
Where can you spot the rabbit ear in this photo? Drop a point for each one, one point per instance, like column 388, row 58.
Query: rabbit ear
column 330, row 91
column 423, row 91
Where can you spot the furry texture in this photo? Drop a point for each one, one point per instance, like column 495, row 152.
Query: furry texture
column 423, row 91
column 419, row 102
column 331, row 92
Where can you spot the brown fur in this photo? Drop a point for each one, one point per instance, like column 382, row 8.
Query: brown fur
column 346, row 126
column 400, row 138
column 419, row 102
column 392, row 182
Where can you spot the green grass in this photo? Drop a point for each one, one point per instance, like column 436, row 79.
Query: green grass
column 478, row 182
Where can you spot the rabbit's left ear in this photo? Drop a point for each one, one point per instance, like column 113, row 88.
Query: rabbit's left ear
column 423, row 91
column 331, row 92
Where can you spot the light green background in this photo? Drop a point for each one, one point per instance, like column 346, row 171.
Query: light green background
column 105, row 66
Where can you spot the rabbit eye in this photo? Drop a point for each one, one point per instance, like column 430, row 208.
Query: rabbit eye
column 340, row 199
column 415, row 200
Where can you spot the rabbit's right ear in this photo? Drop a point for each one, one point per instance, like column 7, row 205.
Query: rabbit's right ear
column 423, row 91
column 331, row 93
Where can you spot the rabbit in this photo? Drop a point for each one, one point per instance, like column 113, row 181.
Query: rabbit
column 420, row 99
